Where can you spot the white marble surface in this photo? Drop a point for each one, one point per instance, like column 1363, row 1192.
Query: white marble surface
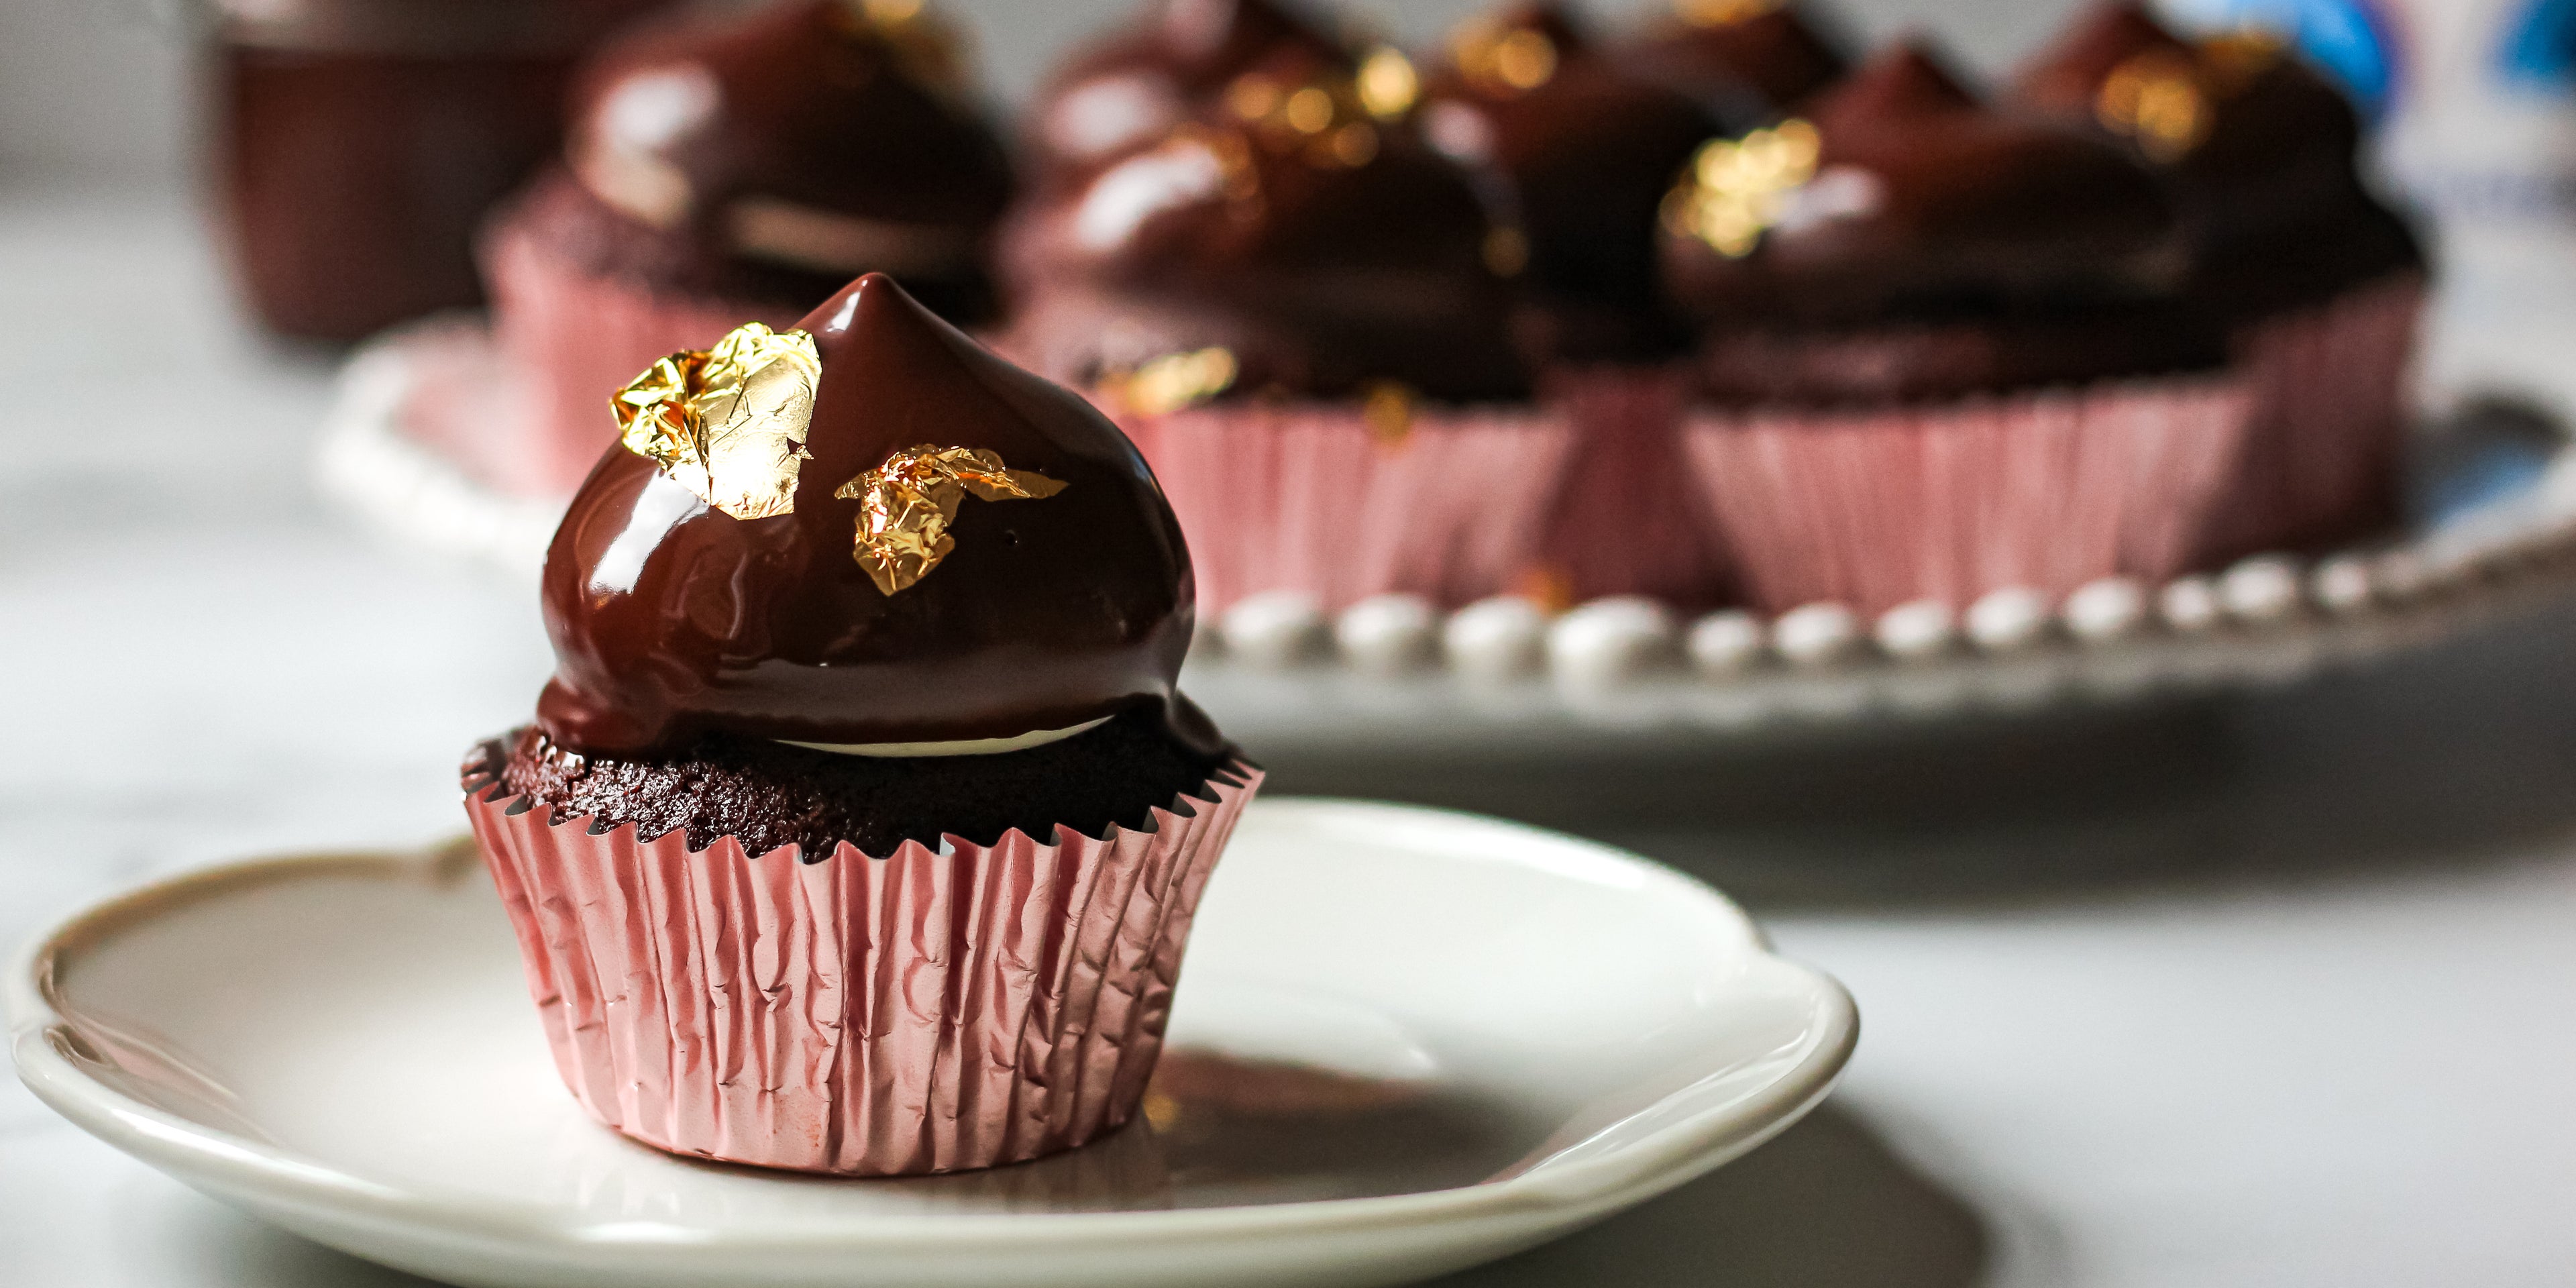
column 2271, row 992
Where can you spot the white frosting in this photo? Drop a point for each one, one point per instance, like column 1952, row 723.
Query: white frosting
column 1386, row 634
column 960, row 747
column 1813, row 634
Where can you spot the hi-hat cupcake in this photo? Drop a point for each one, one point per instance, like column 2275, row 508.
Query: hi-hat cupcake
column 2320, row 285
column 726, row 166
column 861, row 826
column 1945, row 352
column 1302, row 314
column 1583, row 153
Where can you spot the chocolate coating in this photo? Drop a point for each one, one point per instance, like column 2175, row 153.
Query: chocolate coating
column 767, row 794
column 1943, row 209
column 1172, row 61
column 1586, row 155
column 2271, row 202
column 1321, row 276
column 779, row 152
column 671, row 620
column 1745, row 63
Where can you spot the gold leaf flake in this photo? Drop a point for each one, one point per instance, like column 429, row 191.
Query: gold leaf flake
column 1736, row 189
column 906, row 505
column 728, row 423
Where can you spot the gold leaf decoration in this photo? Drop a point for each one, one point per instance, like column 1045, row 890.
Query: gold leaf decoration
column 728, row 423
column 1173, row 381
column 1736, row 189
column 906, row 505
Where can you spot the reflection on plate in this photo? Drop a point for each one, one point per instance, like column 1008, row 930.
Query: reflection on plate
column 1407, row 1042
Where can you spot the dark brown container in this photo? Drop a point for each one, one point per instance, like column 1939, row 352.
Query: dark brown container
column 359, row 142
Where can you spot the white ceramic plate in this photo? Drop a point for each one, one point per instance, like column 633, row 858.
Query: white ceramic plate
column 1407, row 1041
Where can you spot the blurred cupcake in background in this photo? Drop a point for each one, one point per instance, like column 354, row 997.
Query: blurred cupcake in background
column 2320, row 285
column 1302, row 314
column 727, row 166
column 1945, row 350
column 1746, row 61
column 1581, row 154
column 1175, row 59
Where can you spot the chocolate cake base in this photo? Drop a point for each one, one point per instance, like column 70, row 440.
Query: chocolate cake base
column 769, row 794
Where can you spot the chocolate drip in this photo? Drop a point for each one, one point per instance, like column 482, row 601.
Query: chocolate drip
column 1923, row 203
column 2257, row 149
column 800, row 142
column 671, row 620
column 1586, row 153
column 1746, row 63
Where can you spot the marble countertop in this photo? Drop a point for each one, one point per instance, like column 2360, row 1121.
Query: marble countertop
column 2266, row 990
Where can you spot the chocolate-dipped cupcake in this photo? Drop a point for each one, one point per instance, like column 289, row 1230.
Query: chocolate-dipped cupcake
column 1745, row 61
column 1583, row 153
column 725, row 166
column 862, row 788
column 1945, row 351
column 1303, row 315
column 1173, row 60
column 2320, row 284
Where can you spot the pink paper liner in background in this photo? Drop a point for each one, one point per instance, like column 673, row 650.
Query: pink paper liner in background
column 2333, row 393
column 1308, row 498
column 581, row 337
column 931, row 1011
column 1626, row 521
column 2047, row 491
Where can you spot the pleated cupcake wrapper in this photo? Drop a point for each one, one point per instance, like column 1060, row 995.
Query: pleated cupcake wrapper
column 2333, row 390
column 1309, row 498
column 938, row 1009
column 1949, row 501
column 1626, row 520
column 582, row 337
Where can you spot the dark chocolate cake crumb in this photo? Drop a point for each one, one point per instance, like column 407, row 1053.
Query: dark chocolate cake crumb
column 769, row 794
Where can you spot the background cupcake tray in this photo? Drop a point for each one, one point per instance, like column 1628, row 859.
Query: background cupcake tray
column 410, row 439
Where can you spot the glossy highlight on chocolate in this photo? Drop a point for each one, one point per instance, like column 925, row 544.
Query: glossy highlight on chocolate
column 671, row 619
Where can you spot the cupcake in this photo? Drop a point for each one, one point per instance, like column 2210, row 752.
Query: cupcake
column 726, row 166
column 1583, row 153
column 1176, row 59
column 2320, row 285
column 1302, row 314
column 1945, row 351
column 1746, row 61
column 861, row 826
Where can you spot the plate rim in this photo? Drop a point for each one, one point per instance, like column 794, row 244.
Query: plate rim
column 263, row 1172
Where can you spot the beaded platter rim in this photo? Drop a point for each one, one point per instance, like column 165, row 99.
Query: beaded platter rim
column 1628, row 664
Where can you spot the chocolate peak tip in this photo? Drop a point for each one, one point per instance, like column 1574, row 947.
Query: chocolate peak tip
column 2064, row 73
column 1908, row 79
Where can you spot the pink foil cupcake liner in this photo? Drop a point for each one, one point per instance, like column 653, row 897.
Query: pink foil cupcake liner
column 1626, row 521
column 935, row 1010
column 2047, row 491
column 2333, row 398
column 581, row 337
column 1310, row 498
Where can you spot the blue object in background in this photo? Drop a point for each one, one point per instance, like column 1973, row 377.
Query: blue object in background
column 2537, row 50
column 2351, row 40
